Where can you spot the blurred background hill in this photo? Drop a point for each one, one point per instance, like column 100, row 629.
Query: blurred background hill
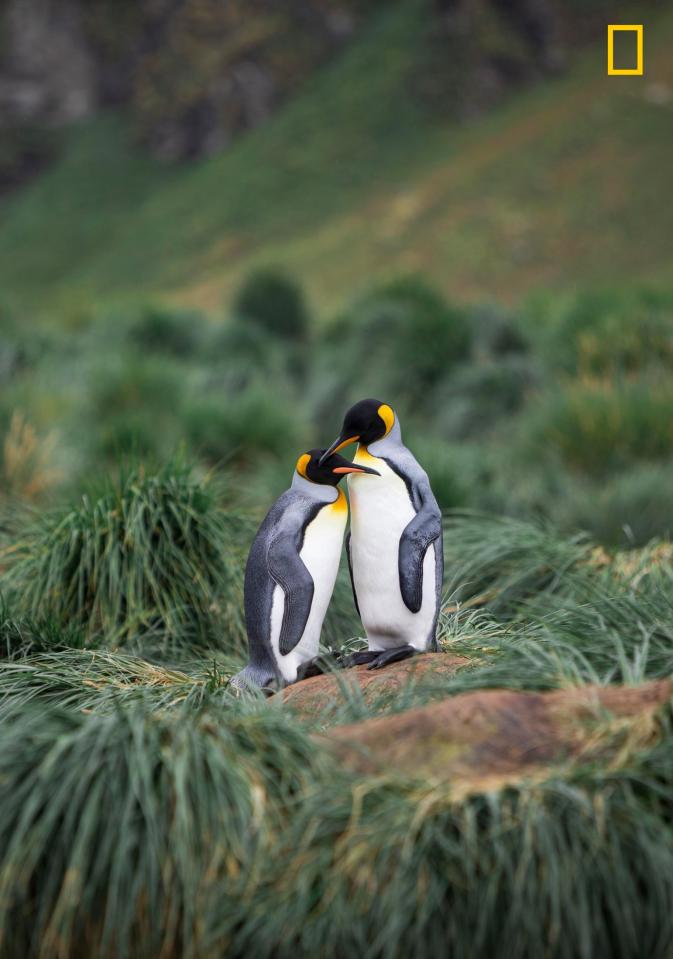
column 168, row 147
column 220, row 223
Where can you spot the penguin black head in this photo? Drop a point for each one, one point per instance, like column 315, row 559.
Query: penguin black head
column 327, row 470
column 366, row 422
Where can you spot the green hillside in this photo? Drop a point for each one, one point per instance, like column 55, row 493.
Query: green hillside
column 352, row 182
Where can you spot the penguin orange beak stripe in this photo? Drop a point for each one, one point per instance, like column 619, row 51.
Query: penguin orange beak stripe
column 349, row 469
column 338, row 445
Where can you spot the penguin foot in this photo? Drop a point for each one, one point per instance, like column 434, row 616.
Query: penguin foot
column 313, row 669
column 323, row 664
column 359, row 659
column 392, row 656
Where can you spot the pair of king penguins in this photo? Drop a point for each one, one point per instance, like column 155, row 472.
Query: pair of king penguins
column 394, row 550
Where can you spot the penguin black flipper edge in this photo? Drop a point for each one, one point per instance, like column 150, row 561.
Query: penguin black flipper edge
column 288, row 570
column 350, row 570
column 423, row 530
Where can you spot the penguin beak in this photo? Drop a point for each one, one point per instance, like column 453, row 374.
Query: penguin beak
column 343, row 466
column 355, row 469
column 337, row 445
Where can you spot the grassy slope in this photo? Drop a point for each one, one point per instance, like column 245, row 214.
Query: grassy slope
column 351, row 180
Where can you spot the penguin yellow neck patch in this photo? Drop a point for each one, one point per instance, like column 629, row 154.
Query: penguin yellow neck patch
column 387, row 415
column 302, row 463
column 364, row 458
column 340, row 504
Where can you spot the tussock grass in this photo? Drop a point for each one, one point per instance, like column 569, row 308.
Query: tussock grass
column 576, row 867
column 88, row 680
column 118, row 828
column 500, row 560
column 21, row 636
column 149, row 811
column 155, row 553
column 533, row 609
column 142, row 831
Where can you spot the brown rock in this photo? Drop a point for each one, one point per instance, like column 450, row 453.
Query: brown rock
column 485, row 740
column 312, row 696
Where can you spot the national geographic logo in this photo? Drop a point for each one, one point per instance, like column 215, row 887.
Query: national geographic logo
column 637, row 29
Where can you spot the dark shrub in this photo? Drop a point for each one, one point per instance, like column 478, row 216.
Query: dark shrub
column 25, row 149
column 274, row 301
column 495, row 333
column 238, row 429
column 128, row 434
column 243, row 352
column 135, row 408
column 162, row 330
column 479, row 395
column 396, row 343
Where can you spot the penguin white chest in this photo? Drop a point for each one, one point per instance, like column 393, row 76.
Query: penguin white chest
column 320, row 553
column 381, row 509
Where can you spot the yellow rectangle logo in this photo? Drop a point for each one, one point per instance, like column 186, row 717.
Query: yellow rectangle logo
column 636, row 28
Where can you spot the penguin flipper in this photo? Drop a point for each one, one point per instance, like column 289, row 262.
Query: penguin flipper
column 418, row 535
column 350, row 570
column 288, row 570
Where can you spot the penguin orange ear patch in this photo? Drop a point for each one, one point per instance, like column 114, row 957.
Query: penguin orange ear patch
column 302, row 463
column 387, row 415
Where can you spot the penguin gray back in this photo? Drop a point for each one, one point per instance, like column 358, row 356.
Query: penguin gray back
column 291, row 570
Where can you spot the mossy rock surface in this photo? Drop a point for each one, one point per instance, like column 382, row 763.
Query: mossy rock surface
column 487, row 740
column 311, row 697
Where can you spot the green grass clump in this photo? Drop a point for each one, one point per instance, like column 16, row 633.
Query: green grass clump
column 501, row 560
column 606, row 332
column 628, row 509
column 121, row 829
column 600, row 426
column 21, row 636
column 154, row 553
column 99, row 679
column 533, row 609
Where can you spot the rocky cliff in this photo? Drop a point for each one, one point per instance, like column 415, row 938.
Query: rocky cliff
column 196, row 73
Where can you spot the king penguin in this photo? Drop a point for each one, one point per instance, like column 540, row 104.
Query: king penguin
column 394, row 547
column 291, row 571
